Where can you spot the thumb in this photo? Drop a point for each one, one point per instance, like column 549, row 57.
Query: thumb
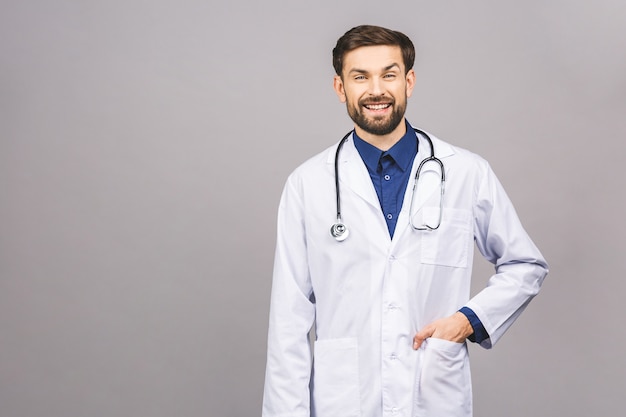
column 422, row 335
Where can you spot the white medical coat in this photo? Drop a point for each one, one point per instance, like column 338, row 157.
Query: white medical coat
column 368, row 295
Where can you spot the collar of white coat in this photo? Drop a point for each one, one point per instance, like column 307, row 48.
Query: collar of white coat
column 349, row 151
column 353, row 172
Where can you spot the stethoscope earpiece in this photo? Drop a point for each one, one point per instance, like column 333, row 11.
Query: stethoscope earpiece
column 339, row 231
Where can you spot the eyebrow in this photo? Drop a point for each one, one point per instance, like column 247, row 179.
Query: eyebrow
column 362, row 71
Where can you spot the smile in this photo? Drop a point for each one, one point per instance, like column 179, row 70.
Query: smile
column 377, row 106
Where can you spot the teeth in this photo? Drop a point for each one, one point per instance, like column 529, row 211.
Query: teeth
column 377, row 106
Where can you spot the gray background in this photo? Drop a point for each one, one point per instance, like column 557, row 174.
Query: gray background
column 143, row 149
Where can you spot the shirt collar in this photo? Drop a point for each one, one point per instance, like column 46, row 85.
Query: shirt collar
column 403, row 152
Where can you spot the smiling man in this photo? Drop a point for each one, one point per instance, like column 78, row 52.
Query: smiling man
column 375, row 96
column 388, row 292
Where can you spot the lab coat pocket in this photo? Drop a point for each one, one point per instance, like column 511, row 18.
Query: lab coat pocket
column 335, row 389
column 450, row 244
column 442, row 384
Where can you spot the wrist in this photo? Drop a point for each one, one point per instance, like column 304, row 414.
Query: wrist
column 465, row 325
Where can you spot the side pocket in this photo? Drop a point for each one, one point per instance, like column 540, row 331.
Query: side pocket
column 443, row 384
column 450, row 244
column 335, row 388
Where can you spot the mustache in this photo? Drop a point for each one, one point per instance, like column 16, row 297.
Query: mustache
column 376, row 100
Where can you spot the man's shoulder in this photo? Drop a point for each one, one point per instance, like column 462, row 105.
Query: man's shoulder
column 317, row 163
column 445, row 149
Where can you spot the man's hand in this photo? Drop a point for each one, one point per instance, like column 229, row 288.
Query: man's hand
column 455, row 328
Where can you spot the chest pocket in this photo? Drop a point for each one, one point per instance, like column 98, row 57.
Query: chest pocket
column 449, row 245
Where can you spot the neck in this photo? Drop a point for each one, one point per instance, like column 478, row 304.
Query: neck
column 383, row 142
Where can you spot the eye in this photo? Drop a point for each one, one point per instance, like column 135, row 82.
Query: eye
column 389, row 76
column 359, row 77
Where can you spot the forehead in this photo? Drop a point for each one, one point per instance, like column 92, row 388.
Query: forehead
column 372, row 58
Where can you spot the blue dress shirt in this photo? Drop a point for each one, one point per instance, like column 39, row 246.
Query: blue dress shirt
column 390, row 171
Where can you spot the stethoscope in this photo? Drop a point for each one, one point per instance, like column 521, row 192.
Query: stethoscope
column 339, row 230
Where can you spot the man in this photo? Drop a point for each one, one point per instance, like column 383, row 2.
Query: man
column 390, row 299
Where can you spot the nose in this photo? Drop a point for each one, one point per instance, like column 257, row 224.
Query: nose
column 376, row 87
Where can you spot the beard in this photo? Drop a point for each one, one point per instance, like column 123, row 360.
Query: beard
column 378, row 125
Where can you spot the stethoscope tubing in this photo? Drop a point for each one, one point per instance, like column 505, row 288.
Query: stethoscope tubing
column 339, row 230
column 343, row 140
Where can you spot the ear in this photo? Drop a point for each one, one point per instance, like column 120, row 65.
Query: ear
column 339, row 88
column 410, row 82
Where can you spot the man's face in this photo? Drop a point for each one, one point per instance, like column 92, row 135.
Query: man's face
column 374, row 86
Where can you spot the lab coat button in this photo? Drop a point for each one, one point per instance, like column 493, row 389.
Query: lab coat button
column 394, row 410
column 393, row 357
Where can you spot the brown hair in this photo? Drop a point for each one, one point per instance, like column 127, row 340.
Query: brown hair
column 368, row 35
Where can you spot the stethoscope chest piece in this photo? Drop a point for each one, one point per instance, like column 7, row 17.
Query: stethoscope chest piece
column 339, row 231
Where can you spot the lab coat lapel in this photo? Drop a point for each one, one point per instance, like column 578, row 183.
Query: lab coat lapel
column 429, row 185
column 353, row 173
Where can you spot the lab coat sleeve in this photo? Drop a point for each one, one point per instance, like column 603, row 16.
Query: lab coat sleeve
column 292, row 314
column 519, row 266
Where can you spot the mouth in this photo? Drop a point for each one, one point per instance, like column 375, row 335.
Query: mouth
column 377, row 106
